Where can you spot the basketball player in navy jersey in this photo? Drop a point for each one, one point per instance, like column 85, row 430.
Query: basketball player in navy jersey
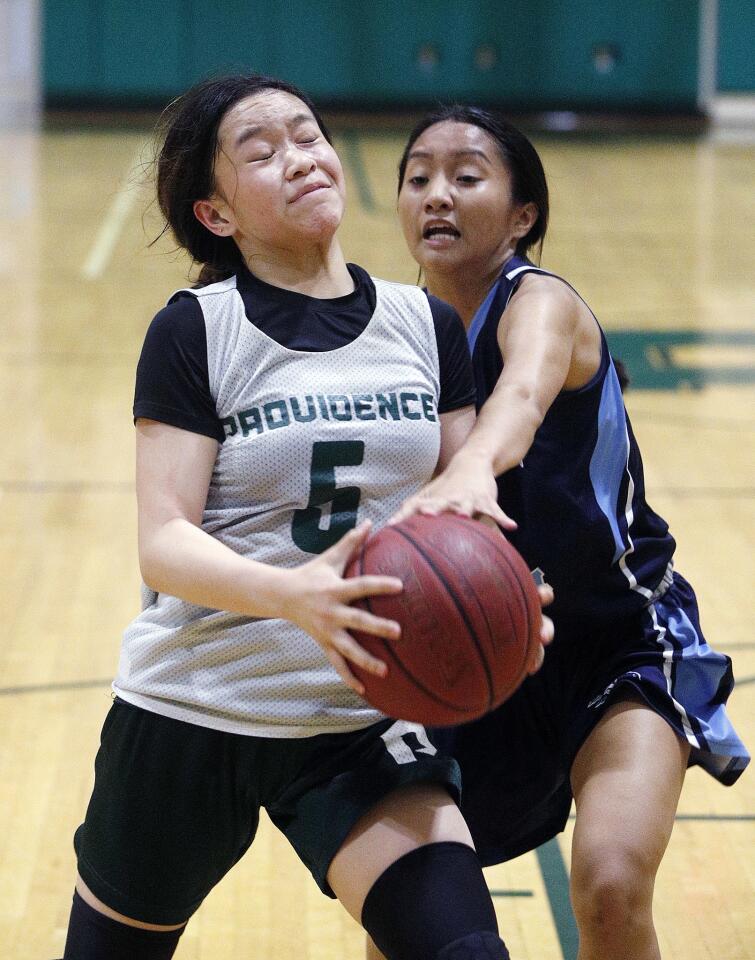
column 282, row 406
column 630, row 694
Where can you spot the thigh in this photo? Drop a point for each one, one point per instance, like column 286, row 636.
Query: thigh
column 168, row 816
column 408, row 818
column 348, row 783
column 626, row 780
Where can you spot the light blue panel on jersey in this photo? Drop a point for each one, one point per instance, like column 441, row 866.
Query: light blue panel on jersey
column 481, row 315
column 608, row 464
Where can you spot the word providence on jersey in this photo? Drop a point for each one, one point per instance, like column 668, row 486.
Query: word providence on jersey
column 396, row 405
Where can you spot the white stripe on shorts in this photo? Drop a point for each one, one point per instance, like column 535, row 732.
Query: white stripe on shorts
column 668, row 662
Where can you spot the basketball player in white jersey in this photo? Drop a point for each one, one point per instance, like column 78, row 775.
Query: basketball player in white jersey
column 282, row 406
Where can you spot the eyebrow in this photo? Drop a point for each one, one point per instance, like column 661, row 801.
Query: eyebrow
column 427, row 155
column 249, row 132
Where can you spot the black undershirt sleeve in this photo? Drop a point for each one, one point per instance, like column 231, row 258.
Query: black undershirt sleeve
column 172, row 380
column 457, row 387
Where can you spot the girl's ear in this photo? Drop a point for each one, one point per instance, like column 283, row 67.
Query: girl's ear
column 216, row 216
column 526, row 219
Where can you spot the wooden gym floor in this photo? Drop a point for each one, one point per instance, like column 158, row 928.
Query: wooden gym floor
column 656, row 233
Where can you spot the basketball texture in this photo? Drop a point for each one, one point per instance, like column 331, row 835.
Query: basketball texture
column 469, row 615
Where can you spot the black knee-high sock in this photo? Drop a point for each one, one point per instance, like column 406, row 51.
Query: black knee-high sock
column 434, row 904
column 93, row 936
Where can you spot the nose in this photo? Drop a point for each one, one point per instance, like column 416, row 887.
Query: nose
column 299, row 162
column 438, row 196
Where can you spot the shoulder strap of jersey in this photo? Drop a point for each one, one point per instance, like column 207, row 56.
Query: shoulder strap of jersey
column 499, row 295
column 400, row 289
column 400, row 293
column 481, row 314
column 516, row 268
column 220, row 287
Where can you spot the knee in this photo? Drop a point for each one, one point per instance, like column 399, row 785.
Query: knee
column 613, row 893
column 433, row 904
column 93, row 935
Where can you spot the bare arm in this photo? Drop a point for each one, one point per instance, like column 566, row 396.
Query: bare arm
column 173, row 470
column 537, row 338
column 455, row 427
column 548, row 341
column 176, row 556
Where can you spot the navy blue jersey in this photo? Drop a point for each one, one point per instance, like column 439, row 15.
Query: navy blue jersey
column 579, row 495
column 627, row 626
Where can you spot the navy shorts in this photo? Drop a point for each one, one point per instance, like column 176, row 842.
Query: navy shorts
column 516, row 762
column 176, row 805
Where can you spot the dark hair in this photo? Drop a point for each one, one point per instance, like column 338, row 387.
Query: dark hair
column 188, row 134
column 528, row 181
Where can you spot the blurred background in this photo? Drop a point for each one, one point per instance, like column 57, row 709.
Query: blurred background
column 644, row 114
column 659, row 57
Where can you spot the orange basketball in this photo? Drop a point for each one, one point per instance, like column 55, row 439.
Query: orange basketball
column 469, row 615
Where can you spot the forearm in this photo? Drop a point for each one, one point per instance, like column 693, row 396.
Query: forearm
column 180, row 559
column 504, row 431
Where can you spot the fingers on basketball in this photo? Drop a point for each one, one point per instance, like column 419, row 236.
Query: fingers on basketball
column 469, row 614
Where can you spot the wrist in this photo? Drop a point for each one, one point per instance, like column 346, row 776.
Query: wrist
column 272, row 591
column 472, row 456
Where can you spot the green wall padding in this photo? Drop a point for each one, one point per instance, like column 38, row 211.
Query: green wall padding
column 539, row 54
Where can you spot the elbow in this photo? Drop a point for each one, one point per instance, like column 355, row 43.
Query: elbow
column 149, row 573
column 526, row 397
column 150, row 566
column 530, row 409
column 533, row 408
column 162, row 554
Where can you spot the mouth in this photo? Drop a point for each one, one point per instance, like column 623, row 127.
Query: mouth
column 310, row 188
column 440, row 231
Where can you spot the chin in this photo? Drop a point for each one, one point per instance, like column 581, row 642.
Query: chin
column 323, row 222
column 439, row 260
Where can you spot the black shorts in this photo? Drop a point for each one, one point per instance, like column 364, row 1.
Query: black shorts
column 176, row 805
column 516, row 761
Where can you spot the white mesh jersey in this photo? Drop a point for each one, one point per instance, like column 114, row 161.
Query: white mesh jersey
column 315, row 443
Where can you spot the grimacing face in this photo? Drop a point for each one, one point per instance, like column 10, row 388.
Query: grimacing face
column 279, row 183
column 455, row 204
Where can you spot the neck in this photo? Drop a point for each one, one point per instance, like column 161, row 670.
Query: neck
column 317, row 271
column 464, row 289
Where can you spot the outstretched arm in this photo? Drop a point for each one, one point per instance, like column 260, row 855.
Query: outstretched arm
column 541, row 342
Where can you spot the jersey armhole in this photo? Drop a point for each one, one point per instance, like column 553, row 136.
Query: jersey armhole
column 605, row 355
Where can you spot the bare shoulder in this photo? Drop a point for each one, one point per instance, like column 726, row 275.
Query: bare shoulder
column 543, row 302
column 548, row 288
column 546, row 306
